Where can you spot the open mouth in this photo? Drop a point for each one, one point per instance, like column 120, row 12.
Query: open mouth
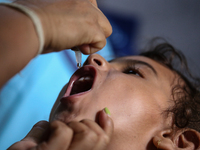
column 81, row 81
column 83, row 84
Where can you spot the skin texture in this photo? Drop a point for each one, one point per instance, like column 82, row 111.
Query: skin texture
column 135, row 96
column 66, row 24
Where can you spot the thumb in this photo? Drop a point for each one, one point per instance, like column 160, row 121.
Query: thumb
column 106, row 122
column 38, row 133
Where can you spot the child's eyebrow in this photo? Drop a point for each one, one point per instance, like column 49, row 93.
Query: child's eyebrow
column 135, row 62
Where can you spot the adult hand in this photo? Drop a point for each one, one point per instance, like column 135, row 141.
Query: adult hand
column 70, row 23
column 85, row 134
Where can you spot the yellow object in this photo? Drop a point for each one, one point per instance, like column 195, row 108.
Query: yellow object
column 107, row 111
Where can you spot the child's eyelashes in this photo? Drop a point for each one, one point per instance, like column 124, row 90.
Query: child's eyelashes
column 132, row 70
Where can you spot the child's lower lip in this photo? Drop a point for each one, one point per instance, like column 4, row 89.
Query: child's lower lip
column 74, row 96
column 70, row 99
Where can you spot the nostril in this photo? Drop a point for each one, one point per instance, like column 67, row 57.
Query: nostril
column 98, row 62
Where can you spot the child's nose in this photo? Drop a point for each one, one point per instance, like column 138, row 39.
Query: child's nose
column 97, row 61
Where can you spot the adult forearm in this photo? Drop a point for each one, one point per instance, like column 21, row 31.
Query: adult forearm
column 18, row 42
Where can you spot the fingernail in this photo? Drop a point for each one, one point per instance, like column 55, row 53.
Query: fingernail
column 107, row 111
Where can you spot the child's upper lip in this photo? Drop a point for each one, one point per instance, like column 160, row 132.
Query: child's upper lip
column 85, row 71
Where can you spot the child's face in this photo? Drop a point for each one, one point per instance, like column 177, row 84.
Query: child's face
column 136, row 90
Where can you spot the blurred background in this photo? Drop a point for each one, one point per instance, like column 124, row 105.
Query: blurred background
column 29, row 96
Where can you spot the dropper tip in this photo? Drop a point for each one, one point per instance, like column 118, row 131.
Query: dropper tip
column 79, row 65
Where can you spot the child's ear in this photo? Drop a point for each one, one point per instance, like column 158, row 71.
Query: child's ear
column 184, row 139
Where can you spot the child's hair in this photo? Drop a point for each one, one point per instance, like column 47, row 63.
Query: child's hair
column 186, row 110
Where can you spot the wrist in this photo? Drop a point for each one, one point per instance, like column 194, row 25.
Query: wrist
column 43, row 17
column 18, row 42
column 35, row 20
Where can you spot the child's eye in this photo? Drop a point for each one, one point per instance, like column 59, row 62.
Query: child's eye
column 132, row 71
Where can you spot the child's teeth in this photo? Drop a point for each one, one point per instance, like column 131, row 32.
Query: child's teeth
column 81, row 79
column 87, row 78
